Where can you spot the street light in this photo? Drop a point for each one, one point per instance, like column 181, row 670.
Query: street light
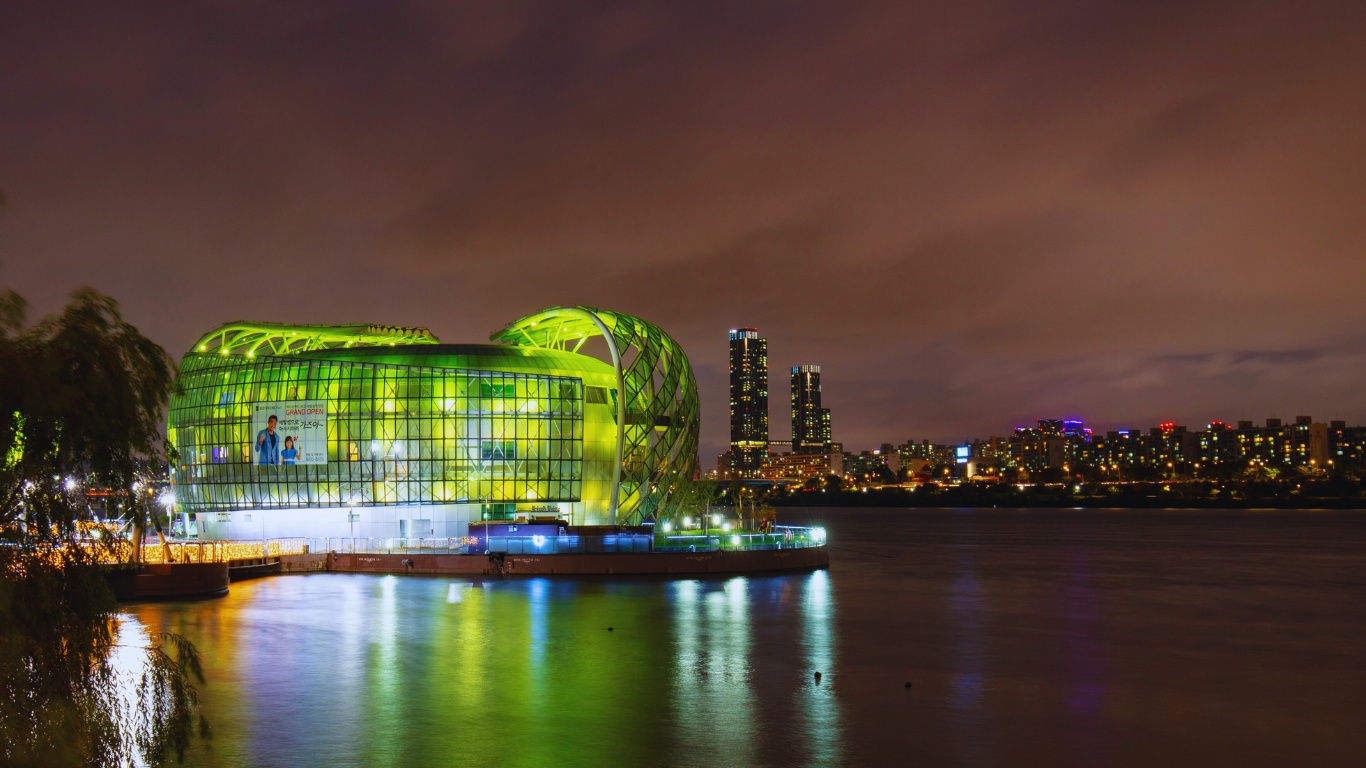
column 351, row 518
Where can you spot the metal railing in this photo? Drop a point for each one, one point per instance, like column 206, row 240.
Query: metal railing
column 457, row 545
column 780, row 537
column 565, row 544
column 514, row 545
column 205, row 551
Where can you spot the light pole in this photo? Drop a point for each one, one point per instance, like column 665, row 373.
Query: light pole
column 351, row 518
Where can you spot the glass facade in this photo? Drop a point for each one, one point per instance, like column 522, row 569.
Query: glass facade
column 384, row 429
column 395, row 435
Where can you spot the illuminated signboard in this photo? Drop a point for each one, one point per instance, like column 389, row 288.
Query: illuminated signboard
column 290, row 432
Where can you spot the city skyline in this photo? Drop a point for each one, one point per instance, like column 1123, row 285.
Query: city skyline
column 363, row 397
column 1064, row 452
column 807, row 372
column 967, row 216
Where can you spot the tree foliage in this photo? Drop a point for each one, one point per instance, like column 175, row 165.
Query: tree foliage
column 82, row 396
column 689, row 498
column 81, row 402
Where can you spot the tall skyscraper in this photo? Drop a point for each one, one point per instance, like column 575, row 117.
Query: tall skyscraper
column 810, row 422
column 748, row 401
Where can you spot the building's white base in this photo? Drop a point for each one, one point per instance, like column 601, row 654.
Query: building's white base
column 436, row 521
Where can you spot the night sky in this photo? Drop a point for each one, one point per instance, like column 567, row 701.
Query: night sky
column 971, row 215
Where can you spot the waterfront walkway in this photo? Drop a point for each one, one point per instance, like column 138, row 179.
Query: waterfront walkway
column 624, row 542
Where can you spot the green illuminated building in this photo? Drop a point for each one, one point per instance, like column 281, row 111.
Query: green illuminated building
column 375, row 431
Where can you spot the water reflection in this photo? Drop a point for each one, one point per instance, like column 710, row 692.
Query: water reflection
column 713, row 700
column 383, row 670
column 537, row 605
column 1039, row 638
column 819, row 723
column 1085, row 665
column 967, row 610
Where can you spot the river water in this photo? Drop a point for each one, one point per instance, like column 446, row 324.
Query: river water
column 1029, row 638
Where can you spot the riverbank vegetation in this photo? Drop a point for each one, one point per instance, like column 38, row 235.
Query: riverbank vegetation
column 82, row 394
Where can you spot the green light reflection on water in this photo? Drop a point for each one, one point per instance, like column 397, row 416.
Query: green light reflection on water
column 397, row 671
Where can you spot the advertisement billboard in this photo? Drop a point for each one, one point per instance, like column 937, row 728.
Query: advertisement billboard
column 289, row 433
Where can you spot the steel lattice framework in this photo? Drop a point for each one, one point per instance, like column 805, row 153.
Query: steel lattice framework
column 248, row 339
column 658, row 417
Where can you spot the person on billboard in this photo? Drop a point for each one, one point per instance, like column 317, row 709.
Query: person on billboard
column 268, row 444
column 290, row 455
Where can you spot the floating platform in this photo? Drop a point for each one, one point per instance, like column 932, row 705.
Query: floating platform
column 169, row 581
column 241, row 570
column 739, row 561
column 189, row 580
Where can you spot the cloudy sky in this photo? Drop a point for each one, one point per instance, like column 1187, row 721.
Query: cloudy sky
column 970, row 214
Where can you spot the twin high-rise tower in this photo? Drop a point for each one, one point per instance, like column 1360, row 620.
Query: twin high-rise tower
column 810, row 422
column 748, row 401
column 749, row 405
